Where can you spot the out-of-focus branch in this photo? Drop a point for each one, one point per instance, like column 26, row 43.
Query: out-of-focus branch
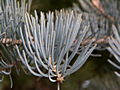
column 97, row 41
column 10, row 41
column 98, row 5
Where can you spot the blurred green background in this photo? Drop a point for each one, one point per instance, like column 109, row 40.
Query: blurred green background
column 46, row 5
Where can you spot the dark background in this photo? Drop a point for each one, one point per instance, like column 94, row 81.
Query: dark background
column 46, row 5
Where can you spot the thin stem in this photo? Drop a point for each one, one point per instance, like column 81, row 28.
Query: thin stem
column 58, row 85
column 98, row 41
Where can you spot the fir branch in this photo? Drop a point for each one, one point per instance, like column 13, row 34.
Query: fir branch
column 54, row 36
column 12, row 15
